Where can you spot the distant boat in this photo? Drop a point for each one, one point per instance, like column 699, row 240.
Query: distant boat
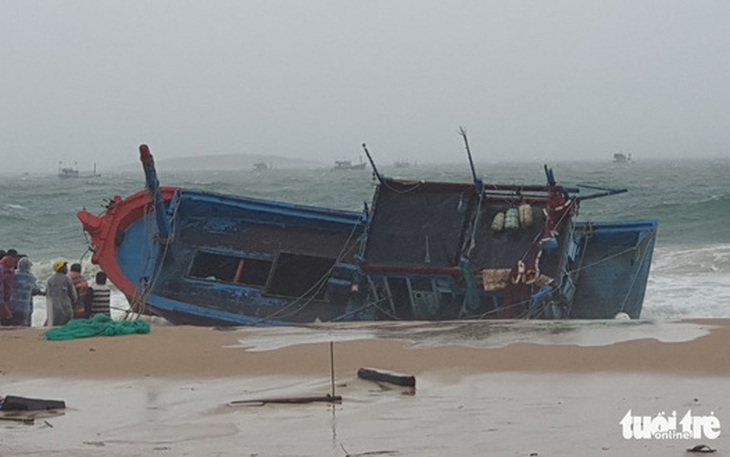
column 262, row 166
column 420, row 251
column 73, row 172
column 348, row 165
column 402, row 164
column 66, row 172
column 621, row 158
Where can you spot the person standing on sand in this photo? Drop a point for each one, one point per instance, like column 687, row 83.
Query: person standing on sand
column 60, row 295
column 100, row 296
column 3, row 312
column 82, row 287
column 7, row 271
column 25, row 287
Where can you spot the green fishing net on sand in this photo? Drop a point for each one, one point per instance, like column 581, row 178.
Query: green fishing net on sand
column 99, row 325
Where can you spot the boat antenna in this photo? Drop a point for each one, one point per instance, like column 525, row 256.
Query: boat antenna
column 549, row 175
column 470, row 297
column 372, row 163
column 477, row 181
column 154, row 192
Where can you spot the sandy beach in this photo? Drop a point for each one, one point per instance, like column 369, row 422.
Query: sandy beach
column 483, row 388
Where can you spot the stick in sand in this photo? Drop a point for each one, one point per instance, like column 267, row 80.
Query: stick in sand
column 329, row 398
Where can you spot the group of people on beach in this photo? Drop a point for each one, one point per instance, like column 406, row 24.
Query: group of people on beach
column 68, row 294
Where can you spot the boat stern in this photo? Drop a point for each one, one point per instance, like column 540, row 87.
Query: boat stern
column 117, row 234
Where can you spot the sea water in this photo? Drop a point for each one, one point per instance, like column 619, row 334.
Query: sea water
column 690, row 273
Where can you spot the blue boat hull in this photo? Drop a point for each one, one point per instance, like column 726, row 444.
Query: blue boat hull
column 612, row 277
column 615, row 269
column 424, row 251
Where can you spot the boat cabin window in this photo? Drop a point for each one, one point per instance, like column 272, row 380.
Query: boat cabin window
column 297, row 275
column 226, row 268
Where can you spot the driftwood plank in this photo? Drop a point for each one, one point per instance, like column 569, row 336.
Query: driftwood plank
column 290, row 400
column 374, row 374
column 24, row 420
column 15, row 403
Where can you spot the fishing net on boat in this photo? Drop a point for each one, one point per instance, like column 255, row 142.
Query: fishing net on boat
column 99, row 325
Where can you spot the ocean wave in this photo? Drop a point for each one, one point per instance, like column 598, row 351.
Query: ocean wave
column 692, row 261
column 689, row 283
column 705, row 297
column 8, row 219
column 14, row 206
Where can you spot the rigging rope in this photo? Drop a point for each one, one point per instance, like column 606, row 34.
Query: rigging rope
column 145, row 285
column 316, row 287
column 636, row 275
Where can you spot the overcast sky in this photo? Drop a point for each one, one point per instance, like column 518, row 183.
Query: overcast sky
column 89, row 81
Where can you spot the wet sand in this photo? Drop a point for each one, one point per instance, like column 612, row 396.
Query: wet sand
column 482, row 389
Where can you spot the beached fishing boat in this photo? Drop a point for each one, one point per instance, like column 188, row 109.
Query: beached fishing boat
column 421, row 251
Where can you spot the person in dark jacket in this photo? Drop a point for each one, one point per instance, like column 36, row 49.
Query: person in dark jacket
column 2, row 287
column 7, row 274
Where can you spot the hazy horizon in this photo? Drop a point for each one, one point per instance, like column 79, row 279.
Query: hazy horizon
column 200, row 165
column 87, row 82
